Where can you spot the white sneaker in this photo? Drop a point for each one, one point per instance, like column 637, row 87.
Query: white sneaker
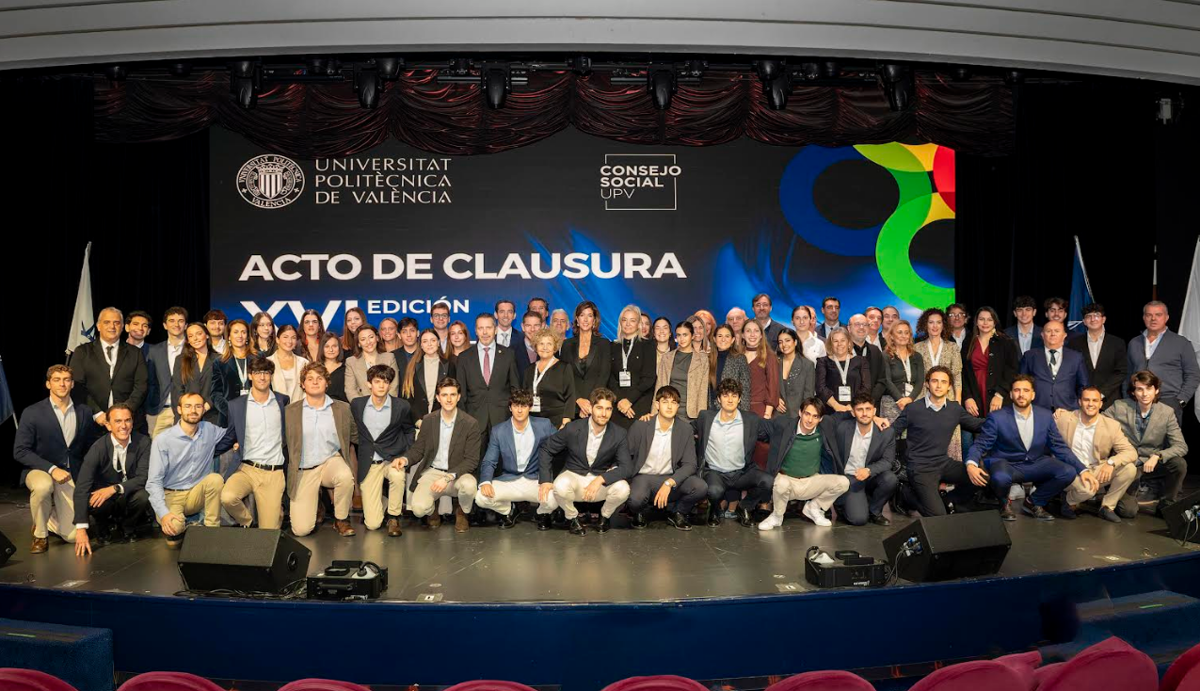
column 771, row 522
column 816, row 515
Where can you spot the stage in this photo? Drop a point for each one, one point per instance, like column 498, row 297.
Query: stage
column 525, row 605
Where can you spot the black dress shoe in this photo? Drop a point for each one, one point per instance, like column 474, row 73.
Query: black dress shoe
column 603, row 525
column 1039, row 512
column 543, row 521
column 879, row 520
column 510, row 520
column 1007, row 512
column 714, row 515
column 679, row 520
column 897, row 506
column 575, row 527
column 743, row 515
column 639, row 521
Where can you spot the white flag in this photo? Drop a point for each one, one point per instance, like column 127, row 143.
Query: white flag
column 1189, row 325
column 83, row 323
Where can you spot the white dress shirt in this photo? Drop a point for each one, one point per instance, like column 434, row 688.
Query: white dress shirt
column 1085, row 438
column 593, row 443
column 441, row 461
column 1094, row 346
column 858, row 449
column 523, row 440
column 1025, row 427
column 659, row 460
column 1058, row 358
column 66, row 420
column 504, row 338
column 726, row 449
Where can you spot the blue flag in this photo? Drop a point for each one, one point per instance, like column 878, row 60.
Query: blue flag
column 1081, row 292
column 6, row 406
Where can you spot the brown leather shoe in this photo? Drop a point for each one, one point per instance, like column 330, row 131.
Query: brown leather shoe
column 343, row 528
column 393, row 526
column 461, row 523
column 434, row 520
column 320, row 515
column 39, row 544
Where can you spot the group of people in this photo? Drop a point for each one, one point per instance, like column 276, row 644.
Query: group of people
column 748, row 416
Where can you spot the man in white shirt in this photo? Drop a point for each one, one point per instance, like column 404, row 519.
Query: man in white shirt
column 449, row 445
column 159, row 414
column 110, row 492
column 1099, row 444
column 509, row 471
column 506, row 335
column 664, row 454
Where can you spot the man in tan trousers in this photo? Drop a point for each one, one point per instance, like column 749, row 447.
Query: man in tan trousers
column 1100, row 444
column 320, row 432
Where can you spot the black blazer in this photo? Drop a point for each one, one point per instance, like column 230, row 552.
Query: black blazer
column 1111, row 369
column 231, row 379
column 613, row 461
column 97, row 470
column 39, row 443
column 683, row 447
column 395, row 439
column 129, row 383
column 337, row 384
column 875, row 363
column 881, row 454
column 829, row 378
column 208, row 383
column 892, row 382
column 463, row 455
column 486, row 402
column 1004, row 363
column 593, row 373
column 754, row 429
column 421, row 399
column 643, row 373
column 783, row 435
column 557, row 391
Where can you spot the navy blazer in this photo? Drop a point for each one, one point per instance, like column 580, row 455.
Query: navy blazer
column 1034, row 343
column 395, row 439
column 158, row 375
column 97, row 470
column 1053, row 392
column 881, row 454
column 754, row 429
column 613, row 461
column 999, row 440
column 39, row 443
column 236, row 432
column 502, row 452
column 522, row 355
column 683, row 447
column 783, row 435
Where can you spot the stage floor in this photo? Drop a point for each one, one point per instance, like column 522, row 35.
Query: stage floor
column 523, row 565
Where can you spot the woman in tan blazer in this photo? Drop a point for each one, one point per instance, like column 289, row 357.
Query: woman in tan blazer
column 367, row 355
column 691, row 380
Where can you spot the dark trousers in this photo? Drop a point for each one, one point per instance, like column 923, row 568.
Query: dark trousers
column 866, row 498
column 1173, row 401
column 753, row 481
column 1050, row 476
column 684, row 496
column 921, row 491
column 1170, row 474
column 126, row 510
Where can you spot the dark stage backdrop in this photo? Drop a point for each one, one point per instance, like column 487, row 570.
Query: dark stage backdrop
column 575, row 218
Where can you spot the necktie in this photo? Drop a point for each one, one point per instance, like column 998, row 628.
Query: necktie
column 1053, row 358
column 487, row 365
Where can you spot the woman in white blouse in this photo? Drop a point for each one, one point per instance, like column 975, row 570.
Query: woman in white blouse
column 804, row 318
column 287, row 364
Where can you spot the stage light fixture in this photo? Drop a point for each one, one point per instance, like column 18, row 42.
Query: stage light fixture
column 810, row 70
column 180, row 69
column 768, row 70
column 369, row 85
column 388, row 68
column 662, row 87
column 245, row 82
column 831, row 69
column 495, row 87
column 581, row 65
column 115, row 73
column 898, row 86
column 778, row 90
column 962, row 73
column 316, row 64
column 1012, row 77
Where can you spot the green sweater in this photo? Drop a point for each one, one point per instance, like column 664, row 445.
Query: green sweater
column 804, row 458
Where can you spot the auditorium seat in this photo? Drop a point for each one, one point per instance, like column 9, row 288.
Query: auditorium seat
column 824, row 680
column 12, row 679
column 1189, row 682
column 322, row 685
column 1180, row 668
column 977, row 675
column 1025, row 665
column 1109, row 664
column 169, row 681
column 661, row 682
column 489, row 685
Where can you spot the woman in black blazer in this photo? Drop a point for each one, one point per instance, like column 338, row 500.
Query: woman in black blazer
column 1003, row 364
column 551, row 381
column 196, row 371
column 633, row 370
column 234, row 362
column 415, row 386
column 829, row 372
column 587, row 353
column 332, row 356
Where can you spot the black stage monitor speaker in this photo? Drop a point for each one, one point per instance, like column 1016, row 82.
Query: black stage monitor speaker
column 1183, row 518
column 6, row 549
column 940, row 548
column 259, row 561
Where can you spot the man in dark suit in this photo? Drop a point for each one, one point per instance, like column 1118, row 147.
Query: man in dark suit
column 664, row 455
column 108, row 371
column 110, row 491
column 865, row 454
column 52, row 438
column 1059, row 374
column 762, row 314
column 598, row 463
column 859, row 327
column 487, row 373
column 385, row 432
column 160, row 412
column 514, row 449
column 256, row 426
column 1026, row 334
column 523, row 350
column 725, row 444
column 137, row 325
column 1019, row 444
column 831, row 309
column 449, row 445
column 1104, row 355
column 1170, row 356
column 507, row 334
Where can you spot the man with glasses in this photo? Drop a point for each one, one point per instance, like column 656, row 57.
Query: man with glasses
column 956, row 313
column 440, row 317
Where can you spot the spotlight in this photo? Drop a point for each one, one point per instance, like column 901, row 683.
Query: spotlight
column 460, row 66
column 662, row 87
column 810, row 70
column 245, row 81
column 316, row 64
column 778, row 90
column 115, row 73
column 369, row 84
column 1013, row 77
column 768, row 69
column 581, row 65
column 898, row 85
column 388, row 68
column 830, row 69
column 495, row 87
column 962, row 73
column 180, row 69
column 1170, row 109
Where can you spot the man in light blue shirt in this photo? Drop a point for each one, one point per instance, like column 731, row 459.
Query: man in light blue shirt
column 727, row 438
column 182, row 480
column 509, row 470
column 320, row 432
column 256, row 424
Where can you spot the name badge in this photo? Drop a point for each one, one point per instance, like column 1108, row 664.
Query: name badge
column 843, row 394
column 624, row 378
column 537, row 405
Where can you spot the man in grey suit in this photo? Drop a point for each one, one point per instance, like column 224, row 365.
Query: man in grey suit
column 1153, row 430
column 1169, row 355
column 487, row 372
column 449, row 445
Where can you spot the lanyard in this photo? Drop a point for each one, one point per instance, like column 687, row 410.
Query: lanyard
column 845, row 371
column 907, row 362
column 539, row 376
column 241, row 370
column 625, row 353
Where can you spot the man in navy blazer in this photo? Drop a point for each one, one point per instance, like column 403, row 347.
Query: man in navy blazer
column 1056, row 386
column 259, row 450
column 385, row 432
column 725, row 449
column 52, row 438
column 1170, row 356
column 664, row 455
column 1026, row 334
column 522, row 349
column 865, row 454
column 514, row 449
column 110, row 490
column 160, row 412
column 1022, row 444
column 598, row 463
